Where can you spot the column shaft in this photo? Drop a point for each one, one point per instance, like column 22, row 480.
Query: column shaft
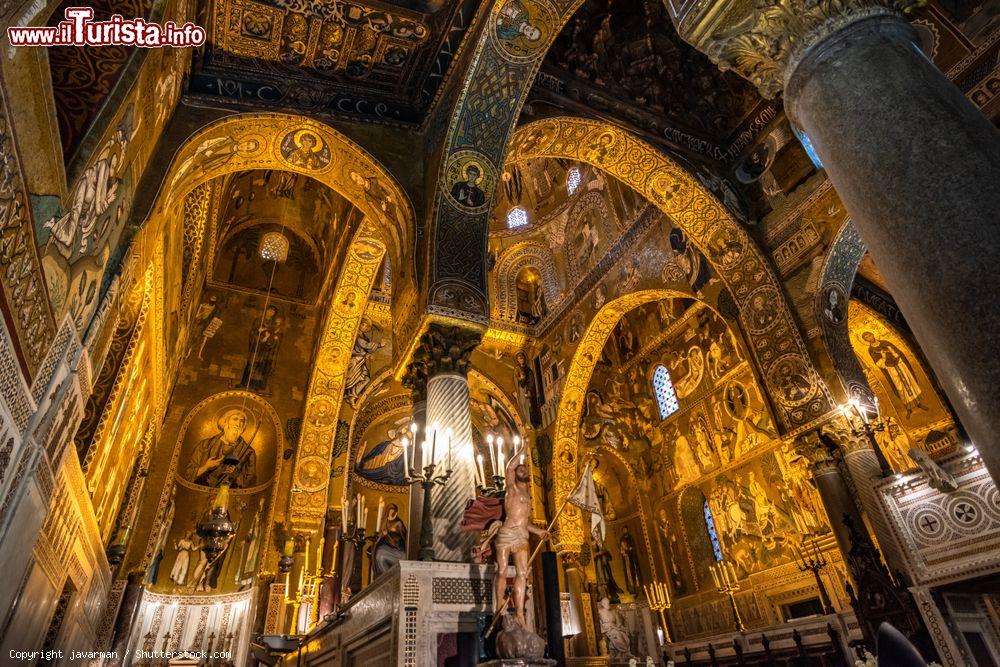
column 448, row 406
column 918, row 169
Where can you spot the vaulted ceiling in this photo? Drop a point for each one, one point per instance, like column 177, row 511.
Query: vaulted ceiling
column 361, row 59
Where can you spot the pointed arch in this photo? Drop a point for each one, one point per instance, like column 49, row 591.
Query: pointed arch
column 489, row 101
column 510, row 264
column 778, row 349
column 252, row 141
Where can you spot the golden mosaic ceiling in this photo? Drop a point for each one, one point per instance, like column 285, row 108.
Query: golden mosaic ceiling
column 369, row 59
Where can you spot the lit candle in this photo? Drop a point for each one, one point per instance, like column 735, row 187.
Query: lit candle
column 424, row 453
column 378, row 517
column 434, row 440
column 364, row 524
column 501, row 468
column 489, row 448
column 413, row 430
column 878, row 412
column 479, row 469
column 406, row 462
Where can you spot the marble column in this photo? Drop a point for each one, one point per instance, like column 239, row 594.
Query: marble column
column 915, row 163
column 441, row 364
column 832, row 488
column 864, row 474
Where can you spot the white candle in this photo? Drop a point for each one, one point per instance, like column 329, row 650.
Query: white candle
column 489, row 448
column 479, row 470
column 365, row 523
column 501, row 469
column 413, row 430
column 357, row 510
column 878, row 412
column 378, row 517
column 424, row 454
column 406, row 462
column 434, row 440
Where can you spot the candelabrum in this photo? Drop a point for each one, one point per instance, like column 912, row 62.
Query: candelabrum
column 859, row 418
column 428, row 480
column 658, row 599
column 724, row 574
column 813, row 560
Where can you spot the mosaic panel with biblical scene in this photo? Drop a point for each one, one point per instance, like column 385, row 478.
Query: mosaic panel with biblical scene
column 715, row 453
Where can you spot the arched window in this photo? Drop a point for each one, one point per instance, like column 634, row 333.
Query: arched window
column 712, row 535
column 663, row 389
column 572, row 180
column 517, row 217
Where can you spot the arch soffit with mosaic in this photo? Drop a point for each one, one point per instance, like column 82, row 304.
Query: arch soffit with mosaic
column 503, row 66
column 253, row 141
column 311, row 478
column 765, row 319
column 566, row 449
column 517, row 257
column 839, row 269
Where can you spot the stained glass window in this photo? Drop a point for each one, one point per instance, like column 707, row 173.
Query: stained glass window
column 517, row 217
column 712, row 535
column 663, row 388
column 572, row 180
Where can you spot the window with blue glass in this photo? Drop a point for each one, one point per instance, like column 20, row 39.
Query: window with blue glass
column 807, row 144
column 712, row 535
column 663, row 389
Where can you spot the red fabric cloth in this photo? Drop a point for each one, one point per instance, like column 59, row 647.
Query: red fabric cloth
column 481, row 512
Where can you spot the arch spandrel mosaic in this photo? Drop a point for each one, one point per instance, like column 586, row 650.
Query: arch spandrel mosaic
column 778, row 349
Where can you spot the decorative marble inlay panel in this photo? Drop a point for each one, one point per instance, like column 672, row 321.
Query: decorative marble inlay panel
column 946, row 536
column 455, row 590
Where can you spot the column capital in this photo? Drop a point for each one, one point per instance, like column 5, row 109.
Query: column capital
column 441, row 349
column 763, row 41
column 817, row 451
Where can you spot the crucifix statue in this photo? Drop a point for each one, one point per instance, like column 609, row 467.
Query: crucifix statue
column 512, row 537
